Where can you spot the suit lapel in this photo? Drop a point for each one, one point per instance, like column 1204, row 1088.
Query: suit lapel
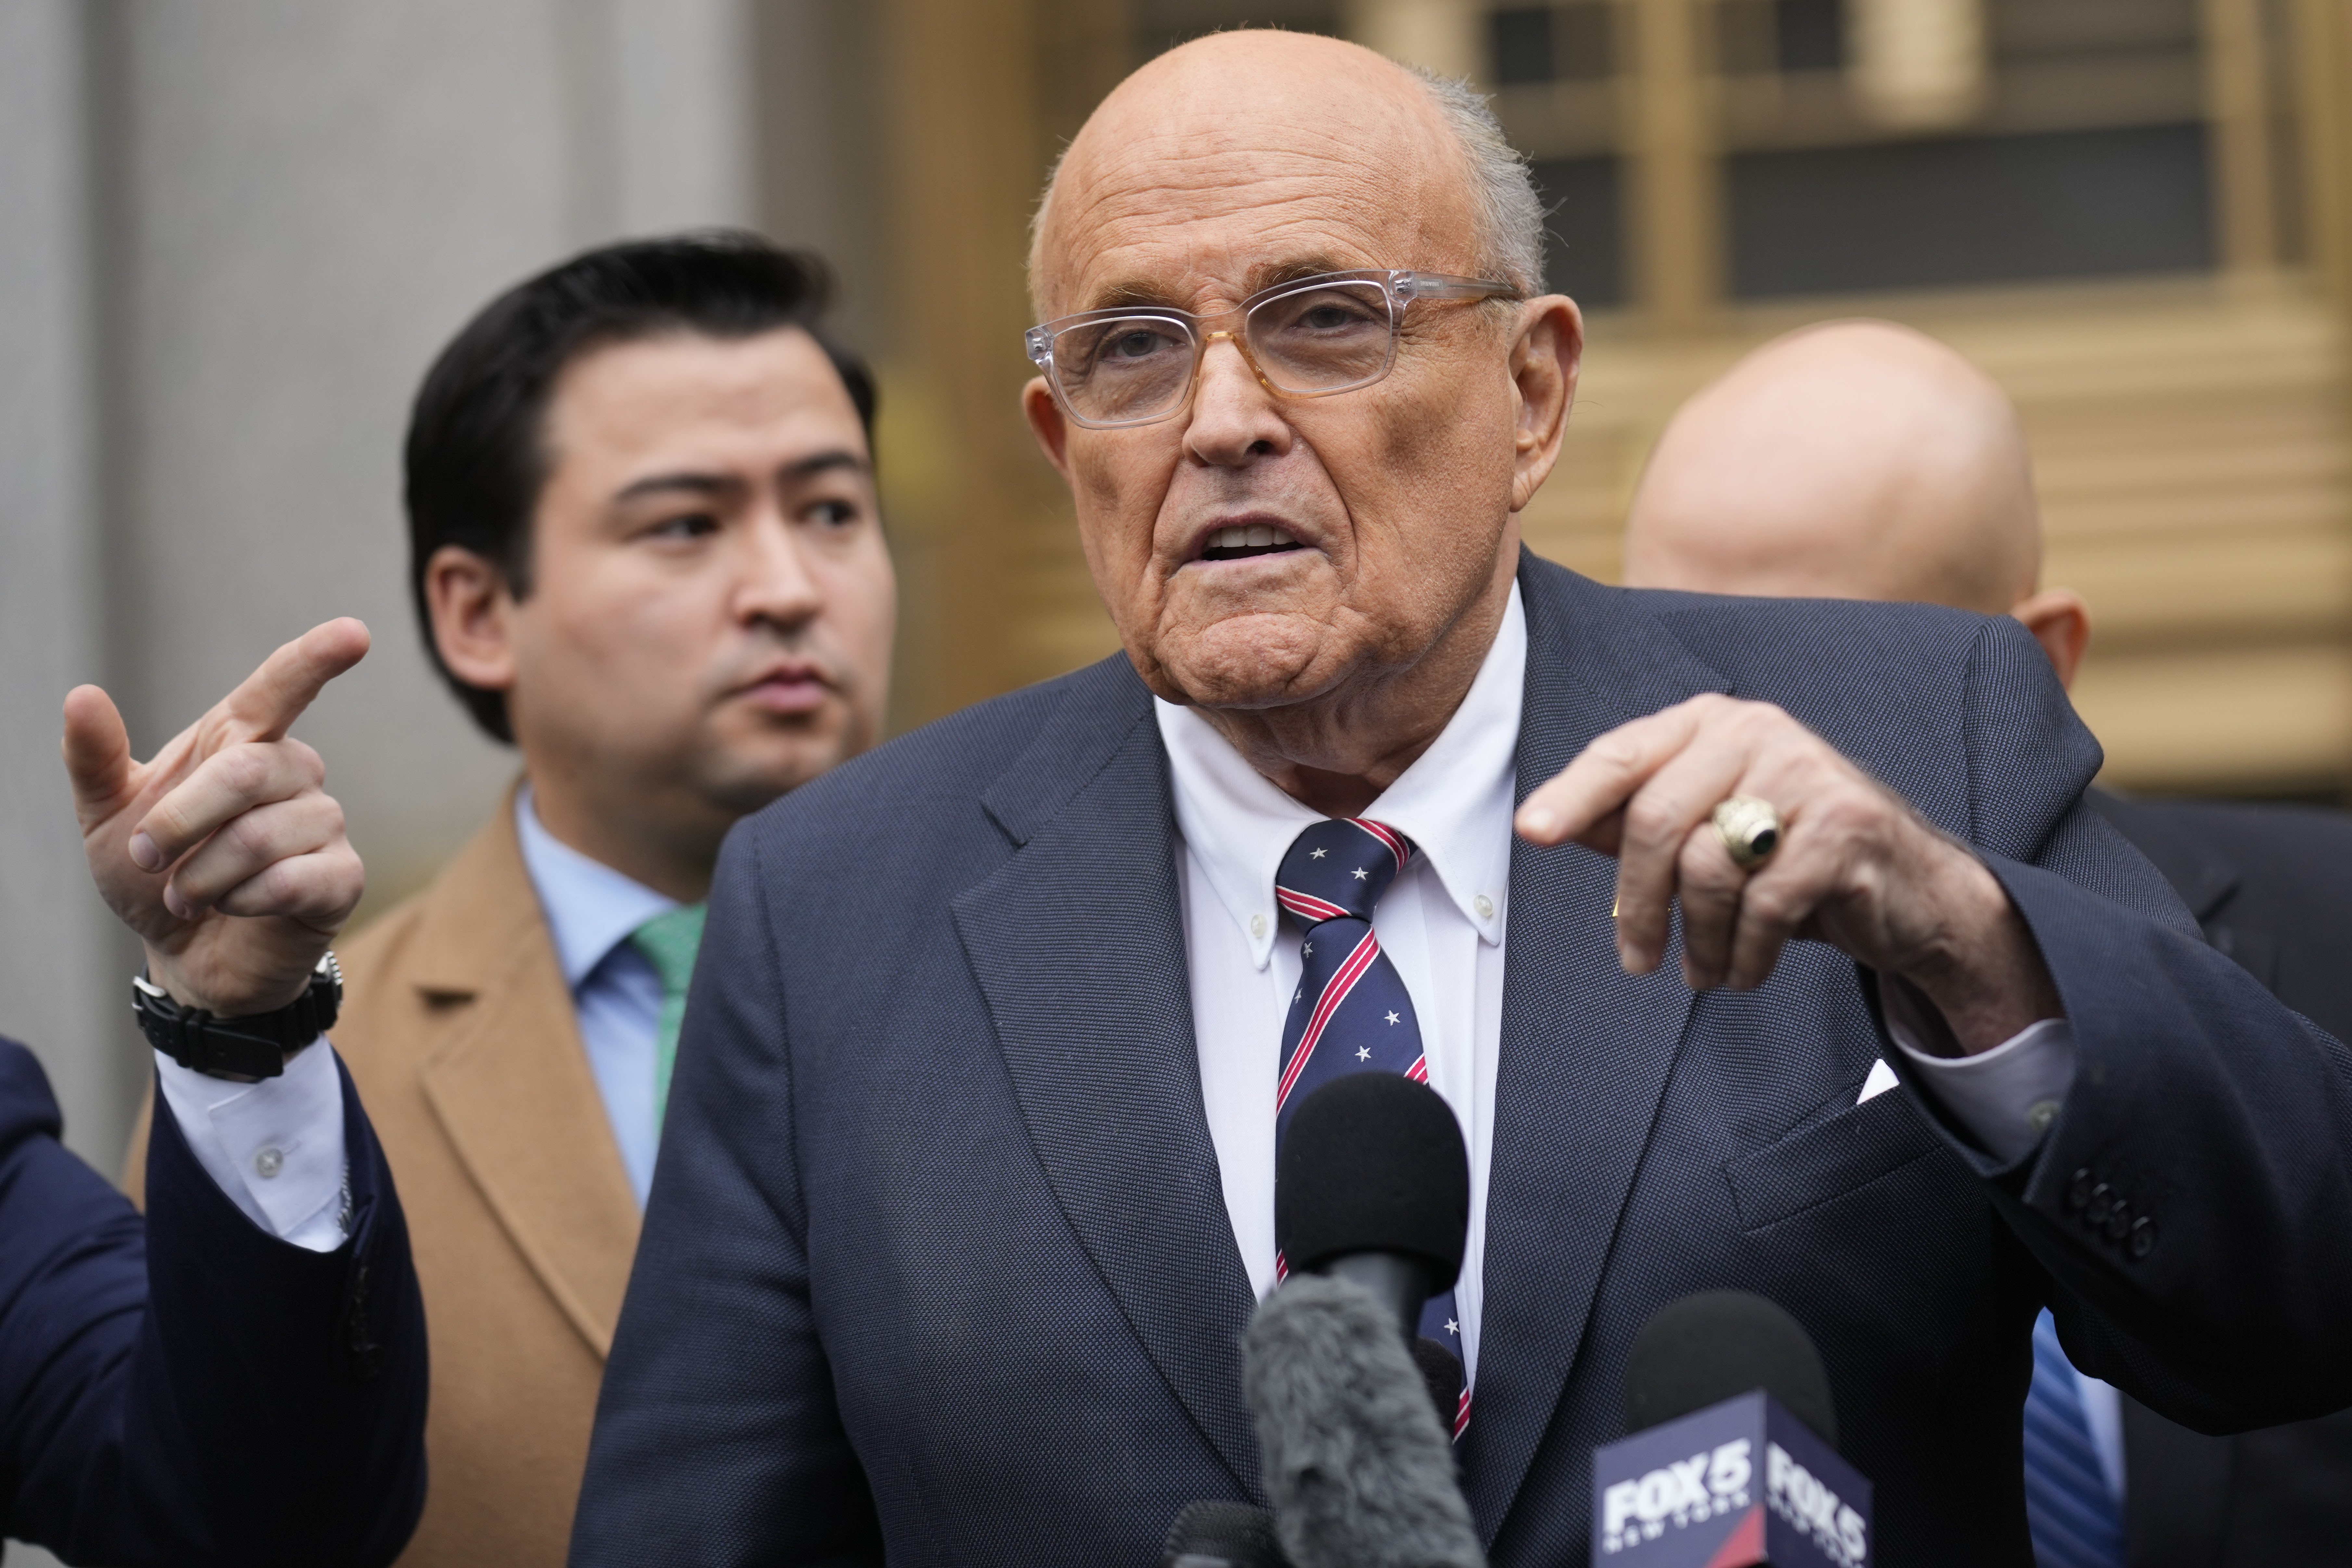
column 511, row 1086
column 1077, row 944
column 1586, row 1048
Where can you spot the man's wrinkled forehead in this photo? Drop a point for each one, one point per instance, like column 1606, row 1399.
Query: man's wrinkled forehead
column 1197, row 195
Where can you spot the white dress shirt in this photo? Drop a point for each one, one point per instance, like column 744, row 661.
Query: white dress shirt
column 275, row 1148
column 617, row 993
column 1442, row 922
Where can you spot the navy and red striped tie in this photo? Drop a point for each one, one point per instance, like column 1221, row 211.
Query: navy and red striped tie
column 1351, row 1013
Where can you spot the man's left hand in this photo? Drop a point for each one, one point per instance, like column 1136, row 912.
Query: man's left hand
column 225, row 852
column 1855, row 867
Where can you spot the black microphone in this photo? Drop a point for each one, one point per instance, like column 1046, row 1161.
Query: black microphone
column 1371, row 1204
column 1731, row 1456
column 1710, row 1347
column 1372, row 1187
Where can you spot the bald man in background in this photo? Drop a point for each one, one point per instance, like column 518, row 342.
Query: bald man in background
column 1863, row 460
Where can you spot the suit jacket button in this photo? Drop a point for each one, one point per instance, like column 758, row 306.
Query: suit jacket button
column 2118, row 1220
column 2143, row 1237
column 2078, row 1190
column 2102, row 1198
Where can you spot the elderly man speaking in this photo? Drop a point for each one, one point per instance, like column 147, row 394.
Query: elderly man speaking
column 967, row 1192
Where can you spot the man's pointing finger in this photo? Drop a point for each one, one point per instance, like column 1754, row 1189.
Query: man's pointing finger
column 266, row 706
column 1604, row 776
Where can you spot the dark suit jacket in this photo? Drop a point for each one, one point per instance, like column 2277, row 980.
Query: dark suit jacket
column 2272, row 886
column 937, row 1260
column 186, row 1389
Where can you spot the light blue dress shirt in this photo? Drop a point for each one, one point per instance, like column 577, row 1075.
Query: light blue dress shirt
column 617, row 994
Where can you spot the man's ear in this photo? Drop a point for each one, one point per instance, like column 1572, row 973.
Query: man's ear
column 2060, row 622
column 1545, row 357
column 473, row 617
column 1045, row 423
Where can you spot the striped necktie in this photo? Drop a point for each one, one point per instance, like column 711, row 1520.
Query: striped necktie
column 2074, row 1519
column 669, row 942
column 1351, row 1013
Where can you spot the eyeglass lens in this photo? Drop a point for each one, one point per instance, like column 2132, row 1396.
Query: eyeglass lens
column 1326, row 338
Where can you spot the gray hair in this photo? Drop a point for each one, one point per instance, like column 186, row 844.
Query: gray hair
column 1509, row 215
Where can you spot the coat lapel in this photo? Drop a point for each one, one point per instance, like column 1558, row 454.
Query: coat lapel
column 1586, row 1048
column 511, row 1086
column 1078, row 946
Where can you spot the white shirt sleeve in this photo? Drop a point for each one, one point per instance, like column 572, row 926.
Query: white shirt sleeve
column 275, row 1148
column 2007, row 1096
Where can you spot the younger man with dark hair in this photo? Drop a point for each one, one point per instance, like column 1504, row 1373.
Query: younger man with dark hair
column 645, row 546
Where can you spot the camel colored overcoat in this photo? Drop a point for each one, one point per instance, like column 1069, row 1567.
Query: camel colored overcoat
column 460, row 1031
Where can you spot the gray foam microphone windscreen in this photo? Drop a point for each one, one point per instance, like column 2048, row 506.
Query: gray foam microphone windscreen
column 1222, row 1535
column 1360, row 1472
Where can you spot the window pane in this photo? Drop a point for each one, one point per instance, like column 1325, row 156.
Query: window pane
column 1519, row 45
column 1582, row 238
column 1975, row 210
column 1811, row 34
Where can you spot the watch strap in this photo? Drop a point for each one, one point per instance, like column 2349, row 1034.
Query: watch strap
column 251, row 1047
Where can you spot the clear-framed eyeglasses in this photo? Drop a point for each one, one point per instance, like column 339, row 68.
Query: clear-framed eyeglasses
column 1310, row 338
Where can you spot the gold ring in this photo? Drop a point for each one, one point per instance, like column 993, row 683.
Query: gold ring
column 1750, row 828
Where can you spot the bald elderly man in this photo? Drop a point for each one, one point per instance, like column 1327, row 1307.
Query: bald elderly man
column 1866, row 460
column 968, row 1190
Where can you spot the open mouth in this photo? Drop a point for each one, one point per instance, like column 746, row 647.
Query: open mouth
column 1241, row 543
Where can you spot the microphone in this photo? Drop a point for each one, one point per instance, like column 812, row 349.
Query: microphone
column 1705, row 1349
column 1222, row 1535
column 1359, row 1468
column 1715, row 1383
column 1372, row 1203
column 1372, row 1185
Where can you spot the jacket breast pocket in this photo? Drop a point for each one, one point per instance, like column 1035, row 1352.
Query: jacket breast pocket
column 1829, row 1160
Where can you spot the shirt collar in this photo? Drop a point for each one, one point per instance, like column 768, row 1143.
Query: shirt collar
column 1455, row 802
column 591, row 909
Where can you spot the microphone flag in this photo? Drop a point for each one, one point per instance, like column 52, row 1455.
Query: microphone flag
column 1739, row 1483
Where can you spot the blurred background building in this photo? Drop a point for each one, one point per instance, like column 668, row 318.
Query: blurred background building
column 236, row 232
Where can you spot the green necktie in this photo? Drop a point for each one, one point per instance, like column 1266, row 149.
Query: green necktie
column 669, row 941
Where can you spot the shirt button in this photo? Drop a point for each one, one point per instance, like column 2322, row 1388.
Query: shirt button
column 1484, row 906
column 2041, row 1114
column 268, row 1161
column 1257, row 926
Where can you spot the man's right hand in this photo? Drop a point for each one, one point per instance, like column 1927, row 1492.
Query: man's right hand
column 224, row 852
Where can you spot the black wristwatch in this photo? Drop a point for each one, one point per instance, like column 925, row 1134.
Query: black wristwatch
column 255, row 1046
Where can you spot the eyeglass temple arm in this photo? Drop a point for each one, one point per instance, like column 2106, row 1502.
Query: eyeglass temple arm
column 1445, row 285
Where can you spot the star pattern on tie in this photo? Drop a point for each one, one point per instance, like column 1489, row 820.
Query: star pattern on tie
column 1347, row 986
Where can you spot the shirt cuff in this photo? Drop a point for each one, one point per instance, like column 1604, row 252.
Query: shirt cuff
column 275, row 1148
column 2008, row 1096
